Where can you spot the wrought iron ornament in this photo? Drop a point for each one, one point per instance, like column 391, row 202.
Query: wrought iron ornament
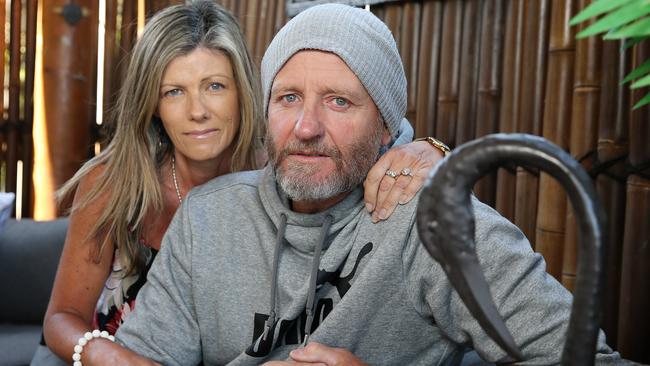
column 446, row 226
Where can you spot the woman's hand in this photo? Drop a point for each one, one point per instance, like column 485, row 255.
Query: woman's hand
column 411, row 164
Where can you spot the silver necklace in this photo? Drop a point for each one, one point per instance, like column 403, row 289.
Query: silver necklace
column 178, row 191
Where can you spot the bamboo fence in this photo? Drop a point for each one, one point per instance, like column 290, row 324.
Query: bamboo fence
column 476, row 67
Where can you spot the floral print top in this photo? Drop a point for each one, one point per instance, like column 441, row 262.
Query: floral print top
column 117, row 299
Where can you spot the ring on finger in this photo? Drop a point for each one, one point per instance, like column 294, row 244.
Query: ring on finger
column 406, row 171
column 391, row 173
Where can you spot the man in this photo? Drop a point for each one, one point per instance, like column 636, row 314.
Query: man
column 257, row 264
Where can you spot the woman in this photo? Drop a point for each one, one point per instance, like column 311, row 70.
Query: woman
column 189, row 111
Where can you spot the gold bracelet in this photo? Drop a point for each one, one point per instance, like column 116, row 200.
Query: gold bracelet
column 436, row 143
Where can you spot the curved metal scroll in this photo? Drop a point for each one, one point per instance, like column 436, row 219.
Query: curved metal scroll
column 446, row 225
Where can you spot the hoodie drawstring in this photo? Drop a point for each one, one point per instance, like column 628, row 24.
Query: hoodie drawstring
column 309, row 308
column 274, row 276
column 312, row 278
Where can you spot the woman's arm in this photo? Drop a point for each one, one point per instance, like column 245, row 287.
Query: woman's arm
column 79, row 281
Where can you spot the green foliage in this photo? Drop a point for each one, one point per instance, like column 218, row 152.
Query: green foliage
column 621, row 19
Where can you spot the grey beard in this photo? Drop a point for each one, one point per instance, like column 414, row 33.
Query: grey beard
column 295, row 181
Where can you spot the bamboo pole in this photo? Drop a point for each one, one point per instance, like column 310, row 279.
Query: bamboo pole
column 446, row 119
column 610, row 181
column 14, row 96
column 410, row 42
column 557, row 115
column 3, row 122
column 634, row 318
column 111, row 60
column 429, row 60
column 262, row 17
column 154, row 6
column 250, row 19
column 584, row 132
column 489, row 85
column 27, row 144
column 128, row 35
column 269, row 26
column 531, row 111
column 392, row 17
column 465, row 126
column 280, row 16
column 506, row 179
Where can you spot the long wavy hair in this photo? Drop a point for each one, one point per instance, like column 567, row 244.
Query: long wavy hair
column 138, row 145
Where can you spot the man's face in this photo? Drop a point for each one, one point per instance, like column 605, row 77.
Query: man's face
column 324, row 128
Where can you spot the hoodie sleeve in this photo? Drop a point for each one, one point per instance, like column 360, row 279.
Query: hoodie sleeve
column 535, row 307
column 163, row 326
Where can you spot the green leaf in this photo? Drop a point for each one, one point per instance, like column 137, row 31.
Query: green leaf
column 644, row 81
column 637, row 29
column 620, row 17
column 596, row 8
column 638, row 72
column 642, row 102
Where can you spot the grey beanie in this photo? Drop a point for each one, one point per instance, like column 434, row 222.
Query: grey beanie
column 360, row 39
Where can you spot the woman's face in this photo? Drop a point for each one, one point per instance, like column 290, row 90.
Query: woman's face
column 199, row 105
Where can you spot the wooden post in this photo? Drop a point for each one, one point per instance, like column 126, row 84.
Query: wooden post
column 69, row 68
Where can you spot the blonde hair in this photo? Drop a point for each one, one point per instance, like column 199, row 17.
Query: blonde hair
column 138, row 143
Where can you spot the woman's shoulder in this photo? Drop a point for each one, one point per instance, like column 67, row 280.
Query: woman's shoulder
column 90, row 182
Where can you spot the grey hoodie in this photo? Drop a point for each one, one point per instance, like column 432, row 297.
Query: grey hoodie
column 377, row 293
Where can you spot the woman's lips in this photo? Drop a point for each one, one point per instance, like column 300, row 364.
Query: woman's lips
column 202, row 134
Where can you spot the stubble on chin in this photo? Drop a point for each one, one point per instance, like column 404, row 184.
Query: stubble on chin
column 304, row 182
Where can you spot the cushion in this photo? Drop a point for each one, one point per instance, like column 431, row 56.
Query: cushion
column 18, row 343
column 29, row 256
column 6, row 207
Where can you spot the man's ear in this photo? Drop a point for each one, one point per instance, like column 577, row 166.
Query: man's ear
column 385, row 138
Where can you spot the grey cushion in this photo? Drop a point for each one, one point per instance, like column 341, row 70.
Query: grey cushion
column 29, row 256
column 18, row 343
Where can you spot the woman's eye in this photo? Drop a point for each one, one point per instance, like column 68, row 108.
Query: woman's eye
column 172, row 93
column 290, row 98
column 216, row 86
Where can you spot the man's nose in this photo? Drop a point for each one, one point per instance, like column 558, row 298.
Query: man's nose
column 309, row 124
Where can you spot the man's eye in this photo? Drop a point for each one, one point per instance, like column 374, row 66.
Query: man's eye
column 341, row 102
column 290, row 98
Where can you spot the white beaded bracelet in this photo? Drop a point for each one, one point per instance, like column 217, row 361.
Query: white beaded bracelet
column 88, row 336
